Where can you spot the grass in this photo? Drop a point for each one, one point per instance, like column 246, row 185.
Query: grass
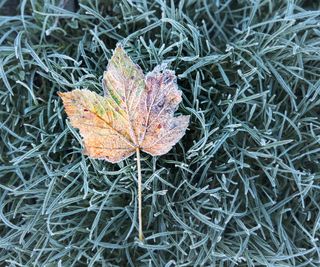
column 240, row 189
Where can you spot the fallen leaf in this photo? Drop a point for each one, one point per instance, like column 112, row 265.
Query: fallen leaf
column 137, row 111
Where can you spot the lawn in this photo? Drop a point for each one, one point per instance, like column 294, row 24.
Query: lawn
column 241, row 188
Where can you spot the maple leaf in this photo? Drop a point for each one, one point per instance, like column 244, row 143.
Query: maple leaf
column 136, row 113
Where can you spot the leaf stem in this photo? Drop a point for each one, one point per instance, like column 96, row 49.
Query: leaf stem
column 139, row 193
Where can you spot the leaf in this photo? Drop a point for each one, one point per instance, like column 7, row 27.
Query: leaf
column 137, row 111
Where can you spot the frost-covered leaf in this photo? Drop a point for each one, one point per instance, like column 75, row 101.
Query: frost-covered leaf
column 137, row 111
